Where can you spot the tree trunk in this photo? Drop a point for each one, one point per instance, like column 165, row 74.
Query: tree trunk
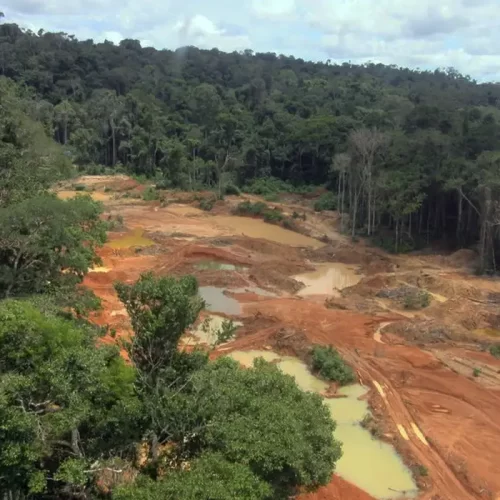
column 459, row 220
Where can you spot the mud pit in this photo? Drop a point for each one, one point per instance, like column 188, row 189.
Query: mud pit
column 426, row 402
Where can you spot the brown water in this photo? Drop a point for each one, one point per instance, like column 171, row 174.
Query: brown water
column 253, row 289
column 370, row 464
column 328, row 279
column 216, row 301
column 488, row 332
column 215, row 265
column 133, row 239
column 206, row 332
column 257, row 228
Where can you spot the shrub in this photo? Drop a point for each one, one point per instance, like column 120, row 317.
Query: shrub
column 418, row 299
column 231, row 189
column 249, row 208
column 329, row 364
column 163, row 184
column 476, row 372
column 421, row 470
column 207, row 204
column 271, row 197
column 268, row 185
column 495, row 350
column 273, row 216
column 107, row 189
column 80, row 187
column 327, row 201
column 150, row 194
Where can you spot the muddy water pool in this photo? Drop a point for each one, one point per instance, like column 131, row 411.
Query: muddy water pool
column 372, row 465
column 328, row 279
column 216, row 265
column 217, row 301
column 257, row 228
column 134, row 239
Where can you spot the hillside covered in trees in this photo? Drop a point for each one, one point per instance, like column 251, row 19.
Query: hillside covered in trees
column 414, row 152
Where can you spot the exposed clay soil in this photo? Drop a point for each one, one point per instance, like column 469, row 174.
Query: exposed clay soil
column 419, row 366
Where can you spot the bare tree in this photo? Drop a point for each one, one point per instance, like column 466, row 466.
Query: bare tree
column 365, row 144
column 340, row 165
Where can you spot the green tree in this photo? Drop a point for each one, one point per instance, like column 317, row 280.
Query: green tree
column 46, row 242
column 65, row 404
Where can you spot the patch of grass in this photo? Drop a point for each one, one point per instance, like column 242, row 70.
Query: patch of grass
column 476, row 372
column 495, row 350
column 272, row 197
column 114, row 223
column 327, row 362
column 150, row 194
column 207, row 204
column 327, row 201
column 417, row 299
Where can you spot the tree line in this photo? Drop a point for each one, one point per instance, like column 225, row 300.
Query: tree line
column 412, row 155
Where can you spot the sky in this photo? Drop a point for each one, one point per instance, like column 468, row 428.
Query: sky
column 424, row 34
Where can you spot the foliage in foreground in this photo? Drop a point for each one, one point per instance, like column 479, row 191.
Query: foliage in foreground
column 257, row 418
column 46, row 242
column 63, row 401
column 328, row 363
column 210, row 477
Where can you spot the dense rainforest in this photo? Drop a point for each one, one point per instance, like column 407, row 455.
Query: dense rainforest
column 410, row 155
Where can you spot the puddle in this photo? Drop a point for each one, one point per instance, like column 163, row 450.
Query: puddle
column 488, row 332
column 184, row 210
column 328, row 279
column 218, row 302
column 253, row 289
column 370, row 464
column 215, row 265
column 256, row 228
column 133, row 239
column 208, row 335
column 100, row 269
column 378, row 333
column 437, row 297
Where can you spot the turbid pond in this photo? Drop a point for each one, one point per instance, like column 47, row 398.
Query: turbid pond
column 206, row 332
column 370, row 464
column 133, row 239
column 216, row 265
column 328, row 279
column 257, row 228
column 217, row 301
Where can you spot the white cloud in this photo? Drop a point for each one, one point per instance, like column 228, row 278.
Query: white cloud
column 424, row 33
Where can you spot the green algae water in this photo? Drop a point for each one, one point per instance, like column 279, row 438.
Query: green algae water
column 217, row 301
column 370, row 464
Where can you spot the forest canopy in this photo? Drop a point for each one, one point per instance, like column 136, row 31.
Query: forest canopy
column 411, row 156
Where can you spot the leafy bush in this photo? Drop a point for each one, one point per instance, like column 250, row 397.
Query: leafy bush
column 327, row 201
column 207, row 204
column 421, row 470
column 231, row 189
column 268, row 185
column 417, row 299
column 476, row 372
column 163, row 184
column 150, row 194
column 80, row 187
column 272, row 197
column 107, row 189
column 328, row 363
column 495, row 350
column 273, row 216
column 249, row 208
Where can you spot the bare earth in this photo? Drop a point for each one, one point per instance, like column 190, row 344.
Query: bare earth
column 418, row 364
